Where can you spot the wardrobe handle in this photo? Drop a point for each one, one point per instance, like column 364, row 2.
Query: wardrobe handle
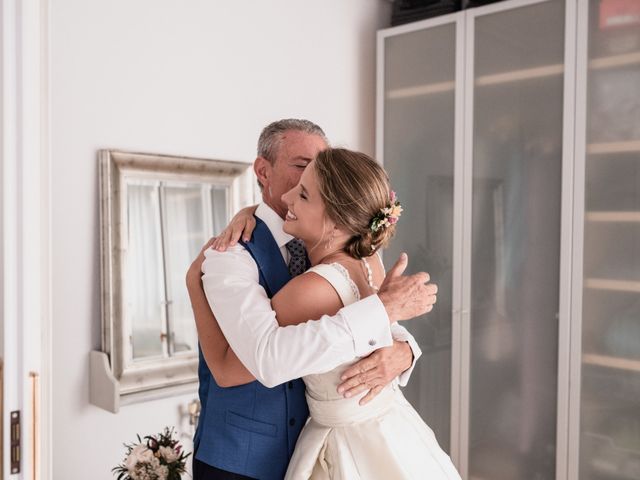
column 35, row 434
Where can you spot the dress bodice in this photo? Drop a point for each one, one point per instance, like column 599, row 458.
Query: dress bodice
column 323, row 386
column 342, row 440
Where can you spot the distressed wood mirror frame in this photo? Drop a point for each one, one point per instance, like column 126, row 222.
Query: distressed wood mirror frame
column 134, row 364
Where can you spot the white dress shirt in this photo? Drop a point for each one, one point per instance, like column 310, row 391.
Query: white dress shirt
column 275, row 354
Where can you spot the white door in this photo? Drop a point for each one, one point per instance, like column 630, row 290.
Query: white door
column 24, row 238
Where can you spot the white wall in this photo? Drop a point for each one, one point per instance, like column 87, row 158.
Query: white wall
column 198, row 78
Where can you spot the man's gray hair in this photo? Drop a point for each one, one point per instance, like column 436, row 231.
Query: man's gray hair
column 271, row 136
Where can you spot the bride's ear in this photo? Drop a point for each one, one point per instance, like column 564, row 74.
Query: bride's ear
column 329, row 225
column 338, row 230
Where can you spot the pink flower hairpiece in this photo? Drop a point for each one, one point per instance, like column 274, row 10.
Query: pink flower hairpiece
column 388, row 215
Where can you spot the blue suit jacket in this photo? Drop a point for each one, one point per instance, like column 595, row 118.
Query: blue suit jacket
column 250, row 429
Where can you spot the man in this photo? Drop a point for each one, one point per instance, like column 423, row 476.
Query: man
column 250, row 430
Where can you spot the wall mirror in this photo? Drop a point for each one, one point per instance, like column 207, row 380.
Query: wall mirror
column 156, row 213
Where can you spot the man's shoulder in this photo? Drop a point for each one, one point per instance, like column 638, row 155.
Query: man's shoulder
column 232, row 256
column 232, row 262
column 232, row 250
column 264, row 232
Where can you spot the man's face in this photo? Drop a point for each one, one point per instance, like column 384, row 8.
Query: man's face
column 297, row 150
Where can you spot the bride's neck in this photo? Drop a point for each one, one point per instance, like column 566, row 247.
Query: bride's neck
column 321, row 254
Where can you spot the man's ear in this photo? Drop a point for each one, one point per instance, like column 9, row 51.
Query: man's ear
column 262, row 168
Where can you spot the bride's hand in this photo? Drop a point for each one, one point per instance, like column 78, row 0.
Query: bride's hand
column 241, row 225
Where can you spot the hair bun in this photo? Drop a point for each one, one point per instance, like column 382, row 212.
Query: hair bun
column 356, row 194
column 368, row 242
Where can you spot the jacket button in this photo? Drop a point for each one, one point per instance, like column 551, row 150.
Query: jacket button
column 372, row 342
column 290, row 385
column 292, row 421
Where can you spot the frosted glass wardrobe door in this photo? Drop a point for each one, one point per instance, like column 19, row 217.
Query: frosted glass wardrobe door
column 610, row 380
column 518, row 78
column 419, row 127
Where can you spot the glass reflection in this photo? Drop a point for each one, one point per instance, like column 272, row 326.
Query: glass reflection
column 184, row 236
column 168, row 224
column 144, row 282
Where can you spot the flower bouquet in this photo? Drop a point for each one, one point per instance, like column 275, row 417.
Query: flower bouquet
column 158, row 457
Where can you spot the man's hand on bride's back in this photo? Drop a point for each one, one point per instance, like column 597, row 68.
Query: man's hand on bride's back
column 406, row 296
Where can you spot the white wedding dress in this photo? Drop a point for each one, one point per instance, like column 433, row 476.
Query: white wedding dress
column 385, row 439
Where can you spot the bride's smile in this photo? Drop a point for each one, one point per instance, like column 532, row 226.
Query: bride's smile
column 305, row 216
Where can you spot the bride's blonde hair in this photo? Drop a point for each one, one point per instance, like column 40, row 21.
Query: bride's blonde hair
column 355, row 188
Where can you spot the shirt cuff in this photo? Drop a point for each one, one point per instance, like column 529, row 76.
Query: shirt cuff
column 369, row 324
column 404, row 336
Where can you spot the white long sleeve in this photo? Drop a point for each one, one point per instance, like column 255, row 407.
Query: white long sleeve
column 275, row 354
column 401, row 334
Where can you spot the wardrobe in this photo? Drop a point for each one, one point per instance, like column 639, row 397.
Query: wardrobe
column 511, row 134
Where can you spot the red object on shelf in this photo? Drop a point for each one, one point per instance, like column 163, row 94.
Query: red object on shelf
column 619, row 13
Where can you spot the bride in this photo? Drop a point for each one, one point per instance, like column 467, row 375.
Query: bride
column 345, row 212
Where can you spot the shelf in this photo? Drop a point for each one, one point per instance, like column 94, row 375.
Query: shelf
column 515, row 76
column 618, row 217
column 611, row 362
column 613, row 470
column 615, row 61
column 518, row 75
column 618, row 285
column 484, row 80
column 420, row 90
column 613, row 147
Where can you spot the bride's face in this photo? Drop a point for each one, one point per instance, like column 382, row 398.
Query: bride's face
column 306, row 216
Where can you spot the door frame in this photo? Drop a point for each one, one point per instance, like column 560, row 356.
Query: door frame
column 25, row 280
column 581, row 13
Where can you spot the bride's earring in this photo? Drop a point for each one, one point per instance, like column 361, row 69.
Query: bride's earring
column 329, row 244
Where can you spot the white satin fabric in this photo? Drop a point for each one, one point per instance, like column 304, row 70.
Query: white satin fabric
column 385, row 439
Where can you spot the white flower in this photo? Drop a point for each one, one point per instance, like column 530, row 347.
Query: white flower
column 149, row 471
column 147, row 456
column 169, row 454
column 134, row 457
column 141, row 464
column 396, row 211
column 162, row 472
